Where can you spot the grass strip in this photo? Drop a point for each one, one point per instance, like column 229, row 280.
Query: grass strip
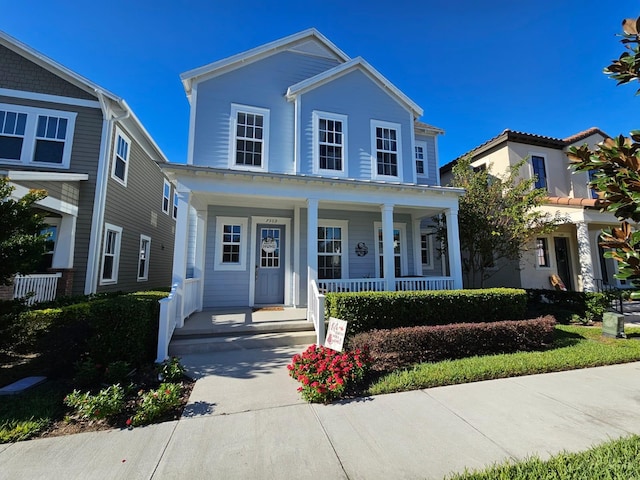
column 574, row 347
column 613, row 460
column 25, row 415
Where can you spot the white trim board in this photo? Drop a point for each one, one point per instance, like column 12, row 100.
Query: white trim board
column 45, row 97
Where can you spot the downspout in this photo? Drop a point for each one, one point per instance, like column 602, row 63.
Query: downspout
column 100, row 197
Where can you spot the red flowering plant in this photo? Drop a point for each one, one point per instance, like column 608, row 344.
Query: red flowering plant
column 325, row 374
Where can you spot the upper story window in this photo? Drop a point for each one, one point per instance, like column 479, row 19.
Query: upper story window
column 36, row 136
column 386, row 150
column 539, row 170
column 120, row 162
column 249, row 137
column 421, row 158
column 175, row 205
column 166, row 197
column 330, row 143
column 592, row 191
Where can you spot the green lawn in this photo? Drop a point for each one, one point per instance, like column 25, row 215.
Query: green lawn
column 574, row 347
column 615, row 460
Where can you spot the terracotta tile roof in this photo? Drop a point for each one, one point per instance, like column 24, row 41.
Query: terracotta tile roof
column 578, row 202
column 526, row 138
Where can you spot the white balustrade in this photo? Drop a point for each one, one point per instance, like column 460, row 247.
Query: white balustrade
column 352, row 285
column 424, row 283
column 174, row 308
column 316, row 311
column 37, row 287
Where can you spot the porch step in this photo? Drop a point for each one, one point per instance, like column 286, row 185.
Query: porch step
column 242, row 337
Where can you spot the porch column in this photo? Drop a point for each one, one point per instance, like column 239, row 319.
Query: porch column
column 388, row 257
column 453, row 247
column 180, row 252
column 312, row 244
column 65, row 243
column 201, row 244
column 417, row 247
column 584, row 255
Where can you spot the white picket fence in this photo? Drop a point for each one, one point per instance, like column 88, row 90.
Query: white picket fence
column 315, row 311
column 36, row 287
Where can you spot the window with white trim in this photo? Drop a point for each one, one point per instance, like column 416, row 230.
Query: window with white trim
column 249, row 137
column 539, row 171
column 542, row 253
column 386, row 149
column 329, row 142
column 120, row 160
column 231, row 243
column 110, row 254
column 175, row 205
column 399, row 249
column 166, row 196
column 421, row 158
column 426, row 250
column 143, row 258
column 332, row 249
column 31, row 135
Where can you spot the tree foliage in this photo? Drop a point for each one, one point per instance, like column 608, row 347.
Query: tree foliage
column 22, row 244
column 615, row 165
column 498, row 218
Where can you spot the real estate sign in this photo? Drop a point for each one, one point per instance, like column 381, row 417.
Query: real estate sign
column 335, row 334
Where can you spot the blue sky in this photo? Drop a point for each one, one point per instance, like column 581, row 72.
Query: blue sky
column 475, row 67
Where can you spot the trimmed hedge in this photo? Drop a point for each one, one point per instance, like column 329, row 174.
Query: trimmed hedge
column 374, row 310
column 403, row 347
column 564, row 304
column 107, row 329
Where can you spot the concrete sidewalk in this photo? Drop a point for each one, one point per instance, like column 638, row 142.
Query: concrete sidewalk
column 245, row 422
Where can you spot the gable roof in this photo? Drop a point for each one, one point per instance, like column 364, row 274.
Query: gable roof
column 309, row 41
column 338, row 71
column 79, row 81
column 526, row 138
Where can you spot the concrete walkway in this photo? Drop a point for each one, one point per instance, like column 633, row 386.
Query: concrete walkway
column 246, row 421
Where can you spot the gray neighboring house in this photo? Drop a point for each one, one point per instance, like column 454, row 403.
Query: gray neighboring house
column 110, row 210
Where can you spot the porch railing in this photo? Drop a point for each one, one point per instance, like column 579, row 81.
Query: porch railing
column 174, row 308
column 41, row 287
column 379, row 284
column 424, row 283
column 352, row 285
column 315, row 312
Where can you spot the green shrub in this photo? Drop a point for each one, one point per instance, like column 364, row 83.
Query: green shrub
column 565, row 305
column 104, row 404
column 402, row 347
column 157, row 403
column 171, row 370
column 370, row 310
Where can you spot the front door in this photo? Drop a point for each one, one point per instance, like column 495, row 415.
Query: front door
column 563, row 260
column 269, row 269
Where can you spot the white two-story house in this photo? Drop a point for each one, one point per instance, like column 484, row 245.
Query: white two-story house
column 307, row 169
column 571, row 252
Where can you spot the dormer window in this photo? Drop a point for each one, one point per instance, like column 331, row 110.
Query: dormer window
column 386, row 150
column 329, row 143
column 250, row 134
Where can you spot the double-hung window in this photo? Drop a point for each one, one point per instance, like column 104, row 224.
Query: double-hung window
column 143, row 258
column 249, row 137
column 110, row 254
column 166, row 197
column 539, row 171
column 426, row 250
column 329, row 143
column 175, row 205
column 386, row 149
column 332, row 249
column 231, row 243
column 399, row 249
column 120, row 161
column 421, row 158
column 32, row 136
